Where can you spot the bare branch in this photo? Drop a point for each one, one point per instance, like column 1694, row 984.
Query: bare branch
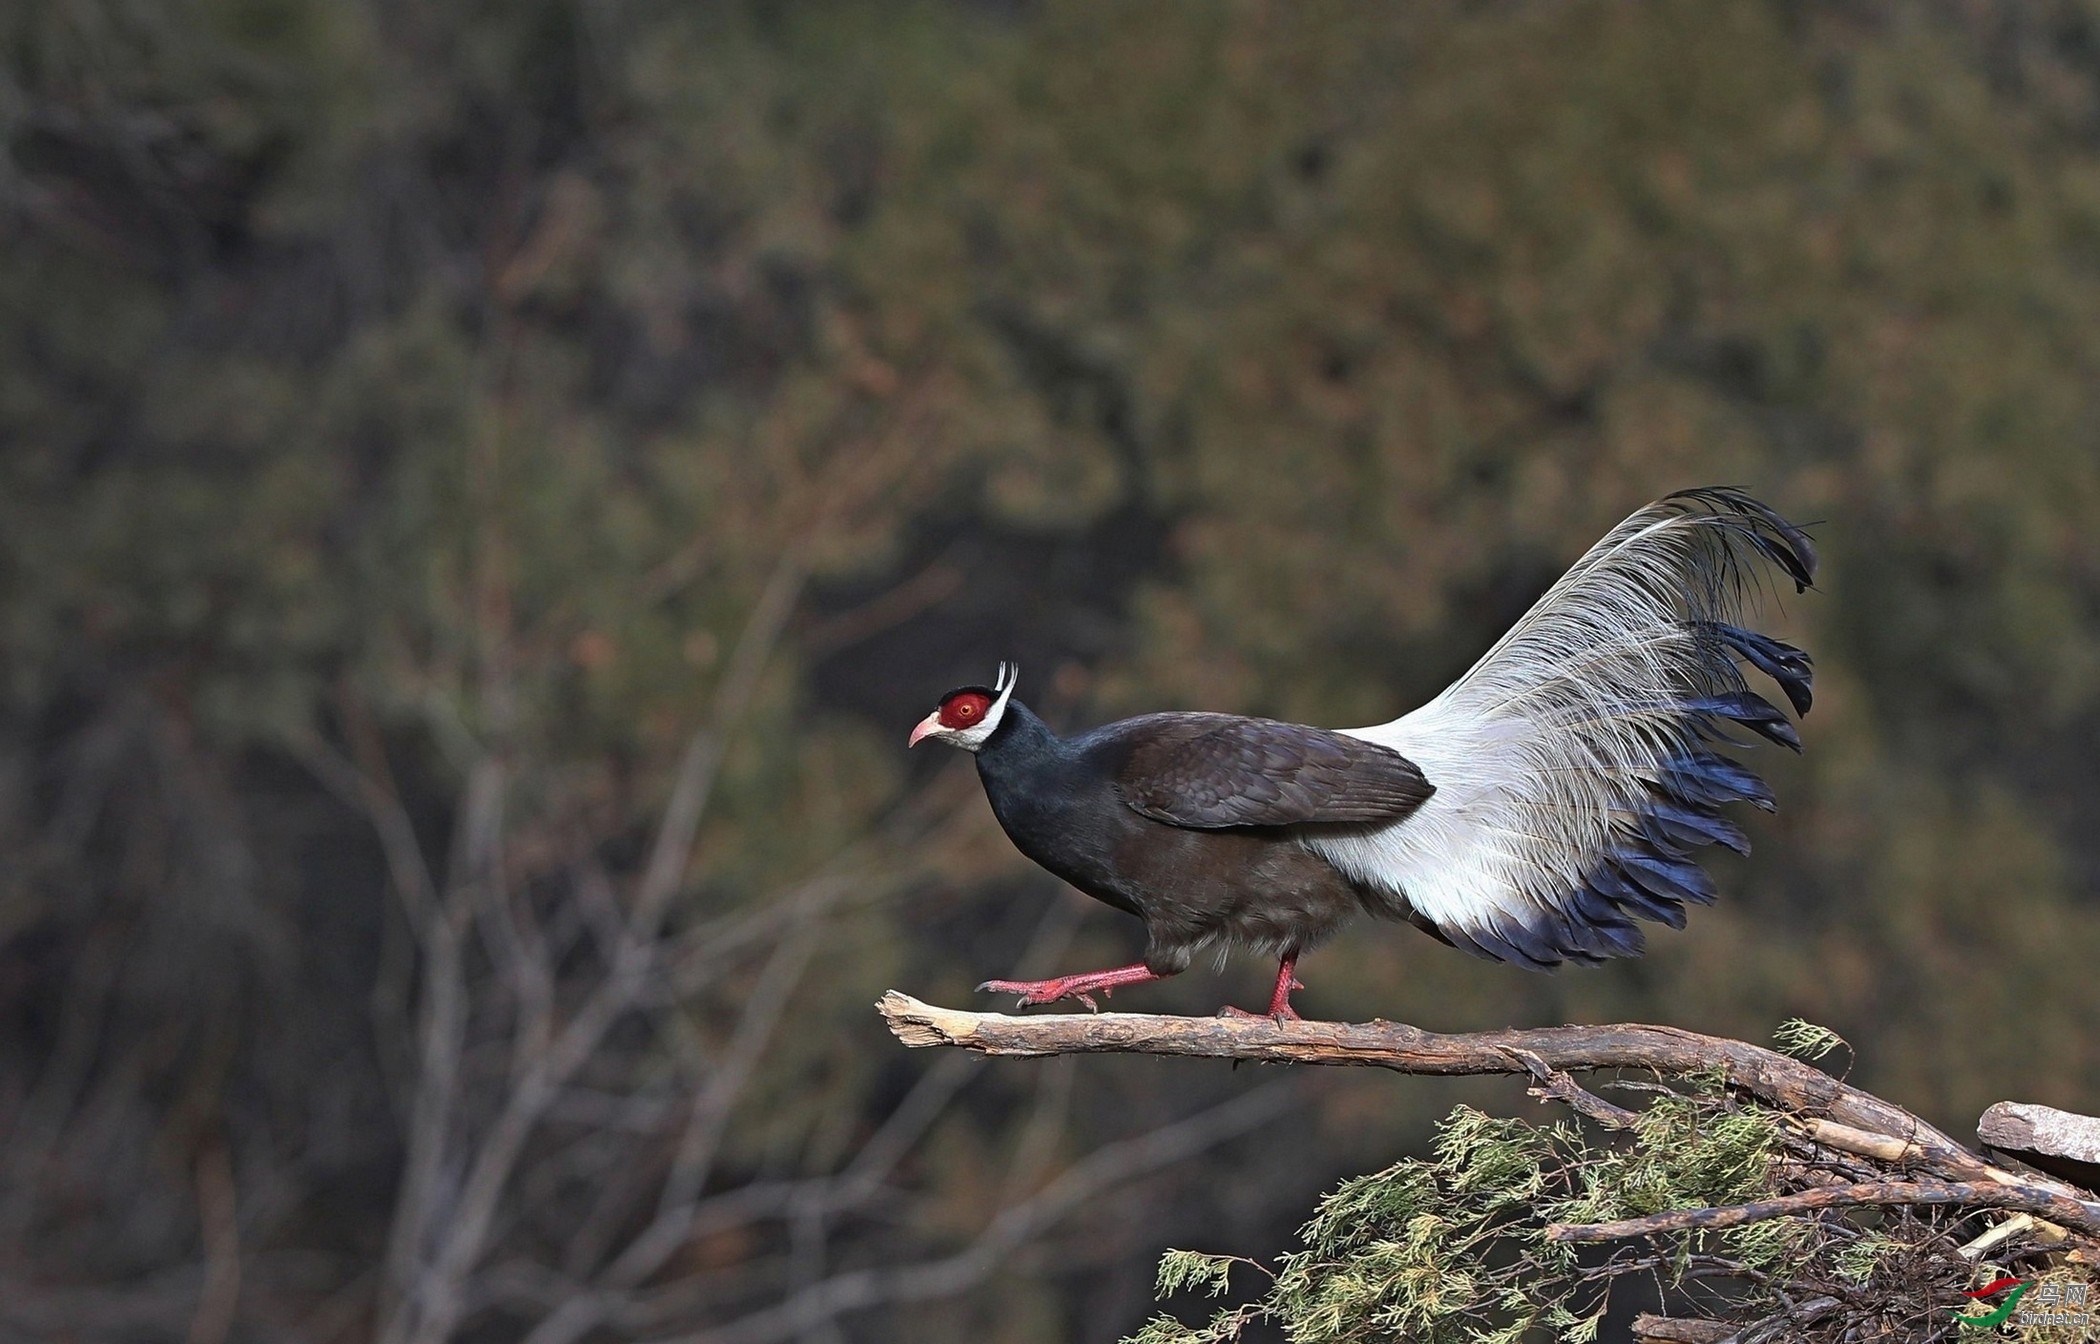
column 1846, row 1139
column 221, row 1291
column 364, row 787
column 1392, row 1045
column 1863, row 1119
column 440, row 1041
column 2061, row 1143
column 945, row 1277
column 1555, row 1085
column 1969, row 1194
column 710, row 1113
column 702, row 759
column 1681, row 1329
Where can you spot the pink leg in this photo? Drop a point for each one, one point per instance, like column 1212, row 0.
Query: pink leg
column 1280, row 1009
column 1082, row 987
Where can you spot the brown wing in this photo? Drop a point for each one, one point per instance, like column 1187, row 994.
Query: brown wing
column 1207, row 771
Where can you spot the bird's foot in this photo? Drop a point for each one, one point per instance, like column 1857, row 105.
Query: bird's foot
column 1034, row 992
column 1280, row 1010
column 1082, row 987
column 1281, row 1015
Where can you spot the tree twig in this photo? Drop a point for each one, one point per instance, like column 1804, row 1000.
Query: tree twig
column 1970, row 1194
column 1018, row 1223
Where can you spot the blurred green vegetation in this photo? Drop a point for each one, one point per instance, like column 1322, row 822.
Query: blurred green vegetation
column 466, row 373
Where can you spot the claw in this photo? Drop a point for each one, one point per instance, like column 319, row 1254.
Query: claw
column 1279, row 1016
column 1028, row 992
column 1081, row 987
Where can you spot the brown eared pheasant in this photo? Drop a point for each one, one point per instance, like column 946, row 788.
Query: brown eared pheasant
column 1532, row 813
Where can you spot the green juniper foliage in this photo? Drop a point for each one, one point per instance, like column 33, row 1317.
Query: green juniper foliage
column 1454, row 1247
column 1805, row 1040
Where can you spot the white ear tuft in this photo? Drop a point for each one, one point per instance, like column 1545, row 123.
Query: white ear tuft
column 1009, row 677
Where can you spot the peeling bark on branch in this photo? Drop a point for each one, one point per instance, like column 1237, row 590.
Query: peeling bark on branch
column 1830, row 1112
column 1765, row 1074
column 1682, row 1330
column 2062, row 1143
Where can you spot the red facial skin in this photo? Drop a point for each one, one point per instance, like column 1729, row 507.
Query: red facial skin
column 965, row 709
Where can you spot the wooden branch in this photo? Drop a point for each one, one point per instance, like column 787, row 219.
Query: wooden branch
column 1846, row 1139
column 1558, row 1086
column 2019, row 1125
column 1832, row 1112
column 2062, row 1143
column 1682, row 1329
column 1765, row 1074
column 2020, row 1224
column 1971, row 1194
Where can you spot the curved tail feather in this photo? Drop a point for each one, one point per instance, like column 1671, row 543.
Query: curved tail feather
column 1571, row 763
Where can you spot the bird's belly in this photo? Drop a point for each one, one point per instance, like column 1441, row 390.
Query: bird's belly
column 1254, row 888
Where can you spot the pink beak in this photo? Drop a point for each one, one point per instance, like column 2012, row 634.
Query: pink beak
column 928, row 725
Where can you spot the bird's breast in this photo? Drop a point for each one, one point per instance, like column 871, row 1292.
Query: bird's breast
column 1072, row 827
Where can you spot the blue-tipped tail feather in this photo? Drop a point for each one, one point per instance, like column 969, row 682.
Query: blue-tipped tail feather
column 1575, row 780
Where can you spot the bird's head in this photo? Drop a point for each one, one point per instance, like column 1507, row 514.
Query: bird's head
column 968, row 716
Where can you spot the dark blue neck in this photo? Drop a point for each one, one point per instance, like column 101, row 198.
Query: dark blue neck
column 1034, row 781
column 1023, row 761
column 1054, row 798
column 1021, row 745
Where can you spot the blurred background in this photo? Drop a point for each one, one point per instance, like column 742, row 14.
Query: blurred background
column 485, row 490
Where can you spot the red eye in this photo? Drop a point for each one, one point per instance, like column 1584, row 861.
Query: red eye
column 963, row 709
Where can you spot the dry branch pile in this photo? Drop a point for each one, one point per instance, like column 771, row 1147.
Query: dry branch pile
column 1762, row 1197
